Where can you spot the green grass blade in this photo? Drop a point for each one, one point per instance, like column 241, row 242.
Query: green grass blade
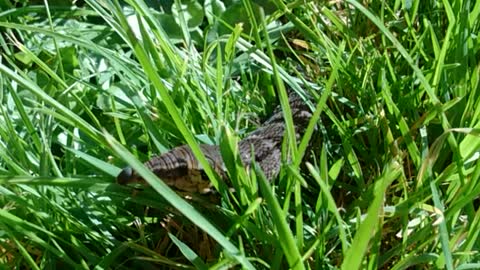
column 287, row 242
column 332, row 207
column 369, row 226
column 189, row 253
column 444, row 235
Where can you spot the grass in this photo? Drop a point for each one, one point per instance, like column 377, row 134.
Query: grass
column 386, row 176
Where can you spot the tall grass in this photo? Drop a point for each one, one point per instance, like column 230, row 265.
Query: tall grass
column 386, row 175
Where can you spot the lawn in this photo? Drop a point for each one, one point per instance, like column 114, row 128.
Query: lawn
column 386, row 176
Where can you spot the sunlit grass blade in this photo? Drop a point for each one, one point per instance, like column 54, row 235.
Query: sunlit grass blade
column 285, row 236
column 412, row 261
column 282, row 94
column 446, row 259
column 369, row 226
column 331, row 206
column 411, row 146
column 26, row 120
column 98, row 163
